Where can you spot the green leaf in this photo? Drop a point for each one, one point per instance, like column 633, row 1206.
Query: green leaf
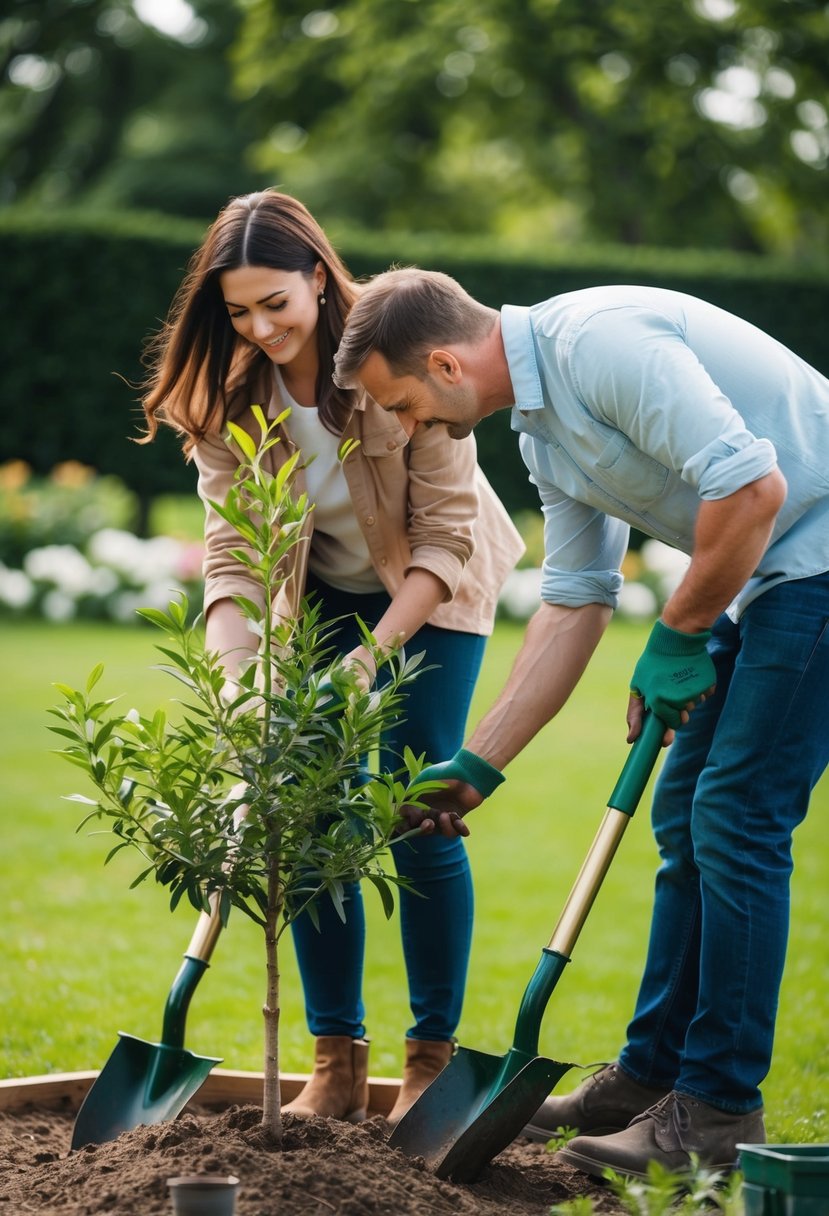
column 259, row 415
column 66, row 691
column 242, row 440
column 155, row 617
column 65, row 731
column 94, row 677
column 385, row 892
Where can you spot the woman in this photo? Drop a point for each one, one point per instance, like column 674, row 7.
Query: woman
column 398, row 539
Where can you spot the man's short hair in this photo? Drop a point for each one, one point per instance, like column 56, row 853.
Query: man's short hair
column 403, row 315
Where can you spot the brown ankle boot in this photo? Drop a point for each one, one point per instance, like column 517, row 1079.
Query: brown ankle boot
column 338, row 1087
column 424, row 1060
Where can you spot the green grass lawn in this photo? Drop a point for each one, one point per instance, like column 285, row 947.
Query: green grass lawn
column 82, row 956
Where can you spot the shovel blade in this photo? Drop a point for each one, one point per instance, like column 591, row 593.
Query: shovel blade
column 473, row 1110
column 141, row 1082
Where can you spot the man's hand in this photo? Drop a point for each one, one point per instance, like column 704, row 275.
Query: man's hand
column 444, row 812
column 468, row 779
column 674, row 672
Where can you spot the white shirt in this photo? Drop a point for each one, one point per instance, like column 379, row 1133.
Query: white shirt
column 339, row 553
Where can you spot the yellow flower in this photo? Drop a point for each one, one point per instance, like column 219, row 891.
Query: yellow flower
column 14, row 474
column 71, row 474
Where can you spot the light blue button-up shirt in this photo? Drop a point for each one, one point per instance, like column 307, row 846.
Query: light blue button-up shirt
column 634, row 403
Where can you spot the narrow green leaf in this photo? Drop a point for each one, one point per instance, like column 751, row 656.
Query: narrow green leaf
column 242, row 440
column 385, row 892
column 94, row 676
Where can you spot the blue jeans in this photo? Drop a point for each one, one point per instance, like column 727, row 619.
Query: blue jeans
column 735, row 784
column 436, row 931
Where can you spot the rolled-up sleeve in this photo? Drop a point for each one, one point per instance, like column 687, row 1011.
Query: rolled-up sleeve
column 633, row 368
column 723, row 467
column 584, row 547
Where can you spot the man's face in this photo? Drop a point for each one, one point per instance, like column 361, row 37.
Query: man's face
column 443, row 396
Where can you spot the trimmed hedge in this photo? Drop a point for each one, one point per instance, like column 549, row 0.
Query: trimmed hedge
column 83, row 291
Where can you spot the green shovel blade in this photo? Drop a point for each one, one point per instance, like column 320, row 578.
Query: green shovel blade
column 145, row 1082
column 480, row 1102
column 469, row 1114
column 141, row 1082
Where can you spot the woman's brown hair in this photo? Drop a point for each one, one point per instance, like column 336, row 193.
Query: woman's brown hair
column 200, row 372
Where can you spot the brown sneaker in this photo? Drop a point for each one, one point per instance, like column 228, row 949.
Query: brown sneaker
column 605, row 1102
column 668, row 1133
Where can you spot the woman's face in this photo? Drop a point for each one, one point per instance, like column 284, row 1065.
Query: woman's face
column 276, row 310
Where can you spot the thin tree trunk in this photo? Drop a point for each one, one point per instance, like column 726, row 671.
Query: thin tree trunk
column 272, row 1098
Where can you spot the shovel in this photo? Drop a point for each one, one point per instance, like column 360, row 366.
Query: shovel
column 145, row 1082
column 480, row 1102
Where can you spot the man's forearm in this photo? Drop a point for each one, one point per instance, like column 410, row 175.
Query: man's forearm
column 731, row 537
column 557, row 647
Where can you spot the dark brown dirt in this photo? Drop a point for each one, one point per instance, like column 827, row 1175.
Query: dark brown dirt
column 326, row 1167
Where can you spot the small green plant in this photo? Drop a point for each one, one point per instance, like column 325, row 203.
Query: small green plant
column 694, row 1192
column 561, row 1137
column 253, row 794
column 574, row 1207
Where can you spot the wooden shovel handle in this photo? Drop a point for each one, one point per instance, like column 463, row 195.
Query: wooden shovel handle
column 206, row 933
column 623, row 802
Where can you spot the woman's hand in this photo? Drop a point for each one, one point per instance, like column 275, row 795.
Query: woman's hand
column 361, row 666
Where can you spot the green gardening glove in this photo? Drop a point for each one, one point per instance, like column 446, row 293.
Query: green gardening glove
column 467, row 767
column 674, row 668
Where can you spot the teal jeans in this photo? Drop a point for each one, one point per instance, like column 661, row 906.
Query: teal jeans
column 436, row 930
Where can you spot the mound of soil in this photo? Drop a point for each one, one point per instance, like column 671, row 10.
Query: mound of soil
column 326, row 1167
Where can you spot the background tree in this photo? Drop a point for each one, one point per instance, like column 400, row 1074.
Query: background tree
column 663, row 122
column 640, row 121
column 101, row 108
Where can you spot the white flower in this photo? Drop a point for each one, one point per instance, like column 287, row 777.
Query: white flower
column 16, row 590
column 660, row 558
column 667, row 563
column 521, row 594
column 125, row 605
column 637, row 601
column 57, row 606
column 156, row 559
column 115, row 547
column 139, row 561
column 62, row 566
column 159, row 594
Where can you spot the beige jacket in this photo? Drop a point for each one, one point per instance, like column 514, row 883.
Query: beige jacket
column 420, row 502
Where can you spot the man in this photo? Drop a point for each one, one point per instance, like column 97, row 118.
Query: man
column 645, row 407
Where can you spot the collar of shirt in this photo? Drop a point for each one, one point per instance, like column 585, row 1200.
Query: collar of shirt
column 519, row 346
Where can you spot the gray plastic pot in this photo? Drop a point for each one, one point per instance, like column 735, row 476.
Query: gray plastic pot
column 203, row 1194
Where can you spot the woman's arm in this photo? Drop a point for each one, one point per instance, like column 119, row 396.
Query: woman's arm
column 226, row 631
column 410, row 608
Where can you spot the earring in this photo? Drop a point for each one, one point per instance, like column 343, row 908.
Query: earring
column 320, row 298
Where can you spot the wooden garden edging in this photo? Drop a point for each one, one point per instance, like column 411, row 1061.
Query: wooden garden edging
column 223, row 1087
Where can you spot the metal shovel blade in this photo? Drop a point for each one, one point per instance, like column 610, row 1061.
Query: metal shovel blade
column 479, row 1103
column 145, row 1082
column 141, row 1082
column 470, row 1112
